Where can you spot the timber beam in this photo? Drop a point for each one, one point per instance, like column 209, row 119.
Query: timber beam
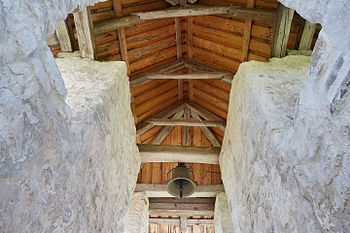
column 166, row 72
column 193, row 123
column 201, row 206
column 176, row 221
column 282, row 30
column 183, row 11
column 184, row 154
column 160, row 190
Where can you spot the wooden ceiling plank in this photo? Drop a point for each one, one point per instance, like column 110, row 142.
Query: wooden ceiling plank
column 208, row 133
column 145, row 126
column 282, row 30
column 85, row 32
column 184, row 154
column 160, row 190
column 176, row 221
column 163, row 133
column 188, row 122
column 183, row 11
column 307, row 36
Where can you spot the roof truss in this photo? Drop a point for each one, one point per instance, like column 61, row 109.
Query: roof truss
column 171, row 117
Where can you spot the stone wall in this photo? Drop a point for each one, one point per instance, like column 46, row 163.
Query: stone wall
column 285, row 166
column 62, row 168
column 285, row 160
column 222, row 215
column 138, row 215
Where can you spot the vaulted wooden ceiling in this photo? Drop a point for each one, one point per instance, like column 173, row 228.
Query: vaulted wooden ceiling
column 180, row 68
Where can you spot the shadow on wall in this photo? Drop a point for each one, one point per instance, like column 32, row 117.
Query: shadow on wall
column 62, row 168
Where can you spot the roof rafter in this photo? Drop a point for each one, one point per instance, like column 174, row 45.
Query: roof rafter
column 183, row 11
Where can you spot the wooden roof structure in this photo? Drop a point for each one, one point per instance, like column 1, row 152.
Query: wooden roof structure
column 181, row 58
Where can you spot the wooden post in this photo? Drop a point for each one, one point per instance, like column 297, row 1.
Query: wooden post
column 179, row 54
column 307, row 36
column 282, row 30
column 186, row 140
column 183, row 223
column 86, row 37
column 247, row 33
column 64, row 35
column 121, row 34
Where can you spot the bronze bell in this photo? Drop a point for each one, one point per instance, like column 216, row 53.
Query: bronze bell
column 181, row 184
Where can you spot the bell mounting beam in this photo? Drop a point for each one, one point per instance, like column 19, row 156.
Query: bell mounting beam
column 176, row 221
column 160, row 190
column 202, row 206
column 183, row 154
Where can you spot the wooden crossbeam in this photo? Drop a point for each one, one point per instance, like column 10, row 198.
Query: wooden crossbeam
column 85, row 32
column 176, row 221
column 197, row 123
column 168, row 112
column 143, row 78
column 182, row 206
column 160, row 190
column 201, row 75
column 193, row 65
column 307, row 36
column 184, row 154
column 183, row 11
column 282, row 30
column 164, row 132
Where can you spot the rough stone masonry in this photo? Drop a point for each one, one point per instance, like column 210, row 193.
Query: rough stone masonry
column 286, row 153
column 63, row 167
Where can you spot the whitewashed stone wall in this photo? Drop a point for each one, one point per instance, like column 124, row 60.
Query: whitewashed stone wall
column 285, row 170
column 138, row 215
column 222, row 215
column 61, row 169
column 285, row 160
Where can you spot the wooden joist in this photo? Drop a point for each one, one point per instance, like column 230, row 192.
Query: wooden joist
column 166, row 72
column 176, row 222
column 183, row 11
column 86, row 37
column 282, row 30
column 185, row 154
column 160, row 190
column 171, row 67
column 307, row 36
column 186, row 139
column 182, row 206
column 199, row 75
column 198, row 123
